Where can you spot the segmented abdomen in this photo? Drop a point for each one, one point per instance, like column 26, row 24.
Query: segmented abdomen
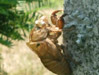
column 56, row 66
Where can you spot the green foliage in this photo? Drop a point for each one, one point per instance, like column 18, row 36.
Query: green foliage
column 13, row 22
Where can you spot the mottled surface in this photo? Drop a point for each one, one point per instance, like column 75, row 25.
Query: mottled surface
column 83, row 40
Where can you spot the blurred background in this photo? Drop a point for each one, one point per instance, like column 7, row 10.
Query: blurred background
column 17, row 18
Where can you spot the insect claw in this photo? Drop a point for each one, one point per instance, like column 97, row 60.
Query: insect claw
column 59, row 22
column 54, row 17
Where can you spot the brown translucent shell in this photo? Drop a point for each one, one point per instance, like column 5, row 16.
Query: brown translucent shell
column 38, row 34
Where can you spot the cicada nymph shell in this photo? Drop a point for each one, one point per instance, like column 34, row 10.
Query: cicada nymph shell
column 43, row 41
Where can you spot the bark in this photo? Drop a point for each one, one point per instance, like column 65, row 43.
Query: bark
column 82, row 42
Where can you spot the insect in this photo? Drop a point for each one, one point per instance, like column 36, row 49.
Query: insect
column 43, row 41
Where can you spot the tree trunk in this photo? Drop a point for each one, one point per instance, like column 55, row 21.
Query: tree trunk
column 81, row 35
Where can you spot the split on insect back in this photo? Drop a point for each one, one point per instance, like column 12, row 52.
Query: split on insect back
column 43, row 41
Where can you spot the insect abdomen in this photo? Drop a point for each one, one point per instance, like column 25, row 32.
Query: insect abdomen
column 59, row 67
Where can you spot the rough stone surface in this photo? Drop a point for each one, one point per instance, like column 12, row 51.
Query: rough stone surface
column 82, row 42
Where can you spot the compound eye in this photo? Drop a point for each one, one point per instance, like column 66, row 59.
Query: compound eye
column 38, row 44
